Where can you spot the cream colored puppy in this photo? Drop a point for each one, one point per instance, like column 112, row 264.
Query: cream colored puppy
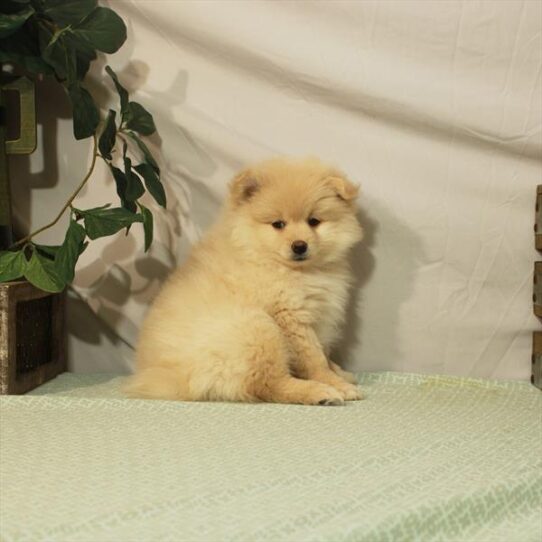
column 253, row 313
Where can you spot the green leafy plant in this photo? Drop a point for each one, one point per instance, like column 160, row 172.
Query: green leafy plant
column 60, row 38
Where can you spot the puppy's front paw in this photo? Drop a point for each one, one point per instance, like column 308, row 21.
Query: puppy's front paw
column 350, row 392
column 336, row 401
column 347, row 391
column 327, row 396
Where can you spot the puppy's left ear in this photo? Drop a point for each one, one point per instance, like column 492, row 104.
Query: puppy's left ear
column 243, row 187
column 345, row 189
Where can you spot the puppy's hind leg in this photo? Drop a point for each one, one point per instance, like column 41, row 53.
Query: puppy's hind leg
column 155, row 383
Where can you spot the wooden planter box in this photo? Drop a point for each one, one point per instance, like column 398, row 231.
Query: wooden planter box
column 32, row 339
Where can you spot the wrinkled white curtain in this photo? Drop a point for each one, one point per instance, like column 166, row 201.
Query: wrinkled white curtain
column 435, row 108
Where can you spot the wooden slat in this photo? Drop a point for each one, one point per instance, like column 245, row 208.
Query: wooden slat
column 538, row 219
column 537, row 289
column 536, row 375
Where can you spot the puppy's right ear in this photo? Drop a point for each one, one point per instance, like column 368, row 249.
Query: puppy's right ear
column 243, row 187
column 345, row 189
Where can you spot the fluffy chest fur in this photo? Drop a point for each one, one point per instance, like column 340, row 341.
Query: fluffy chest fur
column 325, row 297
column 317, row 299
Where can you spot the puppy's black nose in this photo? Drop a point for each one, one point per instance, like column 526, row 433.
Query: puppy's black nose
column 299, row 247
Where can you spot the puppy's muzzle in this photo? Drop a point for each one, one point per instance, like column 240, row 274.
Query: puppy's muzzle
column 299, row 248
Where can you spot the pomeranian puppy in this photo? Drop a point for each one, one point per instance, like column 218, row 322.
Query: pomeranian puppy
column 253, row 313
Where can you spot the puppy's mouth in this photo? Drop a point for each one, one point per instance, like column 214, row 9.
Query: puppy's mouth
column 300, row 257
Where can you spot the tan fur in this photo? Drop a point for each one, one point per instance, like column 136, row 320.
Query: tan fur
column 242, row 320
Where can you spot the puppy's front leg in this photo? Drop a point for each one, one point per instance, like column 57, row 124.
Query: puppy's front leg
column 310, row 360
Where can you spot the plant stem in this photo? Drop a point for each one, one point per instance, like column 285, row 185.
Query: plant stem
column 68, row 203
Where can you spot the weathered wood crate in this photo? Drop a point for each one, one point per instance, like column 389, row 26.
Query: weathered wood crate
column 536, row 375
column 32, row 340
column 537, row 289
column 538, row 219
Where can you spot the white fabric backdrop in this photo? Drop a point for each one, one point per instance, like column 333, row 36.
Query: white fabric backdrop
column 434, row 107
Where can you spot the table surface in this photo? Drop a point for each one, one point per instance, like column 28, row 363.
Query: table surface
column 422, row 457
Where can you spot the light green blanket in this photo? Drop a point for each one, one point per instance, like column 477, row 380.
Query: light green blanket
column 422, row 458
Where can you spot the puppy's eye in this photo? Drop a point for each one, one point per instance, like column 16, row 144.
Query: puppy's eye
column 313, row 222
column 278, row 224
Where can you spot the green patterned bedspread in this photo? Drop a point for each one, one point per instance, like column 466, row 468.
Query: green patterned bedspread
column 421, row 459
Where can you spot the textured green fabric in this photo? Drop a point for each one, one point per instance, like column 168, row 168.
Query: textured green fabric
column 422, row 458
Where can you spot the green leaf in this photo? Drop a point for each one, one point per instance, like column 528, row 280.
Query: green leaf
column 21, row 49
column 43, row 274
column 147, row 225
column 33, row 64
column 107, row 139
column 45, row 36
column 60, row 54
column 152, row 182
column 65, row 12
column 84, row 54
column 85, row 113
column 53, row 54
column 12, row 265
column 139, row 119
column 11, row 4
column 10, row 23
column 82, row 61
column 79, row 213
column 134, row 187
column 71, row 64
column 122, row 183
column 49, row 251
column 102, row 29
column 103, row 222
column 67, row 255
column 146, row 152
column 123, row 93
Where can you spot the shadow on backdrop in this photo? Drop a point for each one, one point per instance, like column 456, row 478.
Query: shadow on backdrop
column 378, row 309
column 113, row 285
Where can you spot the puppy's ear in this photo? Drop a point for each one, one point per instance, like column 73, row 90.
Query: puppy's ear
column 345, row 189
column 243, row 187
